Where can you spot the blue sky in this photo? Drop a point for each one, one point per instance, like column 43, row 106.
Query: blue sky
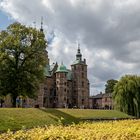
column 4, row 20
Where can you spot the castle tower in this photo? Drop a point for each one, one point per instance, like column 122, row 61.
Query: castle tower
column 80, row 82
column 61, row 86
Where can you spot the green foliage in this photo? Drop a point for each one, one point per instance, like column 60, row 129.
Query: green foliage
column 109, row 87
column 127, row 95
column 22, row 60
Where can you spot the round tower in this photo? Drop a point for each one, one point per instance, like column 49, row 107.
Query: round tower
column 61, row 86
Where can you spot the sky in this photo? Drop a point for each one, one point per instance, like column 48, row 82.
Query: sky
column 4, row 20
column 108, row 32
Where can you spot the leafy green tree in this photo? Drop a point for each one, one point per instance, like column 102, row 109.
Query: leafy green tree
column 127, row 95
column 22, row 60
column 109, row 87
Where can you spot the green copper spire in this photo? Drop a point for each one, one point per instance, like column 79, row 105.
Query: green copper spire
column 61, row 68
column 79, row 57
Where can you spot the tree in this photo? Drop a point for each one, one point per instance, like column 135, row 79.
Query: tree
column 109, row 87
column 22, row 60
column 126, row 95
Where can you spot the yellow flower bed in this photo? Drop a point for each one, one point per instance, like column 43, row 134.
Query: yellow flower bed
column 112, row 130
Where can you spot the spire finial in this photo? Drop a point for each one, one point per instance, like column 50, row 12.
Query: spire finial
column 78, row 55
column 41, row 29
column 78, row 45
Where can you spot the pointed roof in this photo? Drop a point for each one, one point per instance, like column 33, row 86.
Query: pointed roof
column 47, row 71
column 78, row 57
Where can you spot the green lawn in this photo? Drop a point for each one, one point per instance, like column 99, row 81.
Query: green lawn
column 18, row 118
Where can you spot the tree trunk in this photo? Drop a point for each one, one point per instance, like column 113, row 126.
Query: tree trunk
column 14, row 100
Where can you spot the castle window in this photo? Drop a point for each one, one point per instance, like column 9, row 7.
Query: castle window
column 45, row 91
column 45, row 88
column 74, row 83
column 82, row 84
column 51, row 91
column 82, row 75
column 57, row 88
column 74, row 101
column 44, row 100
column 82, row 101
column 65, row 90
column 74, row 67
column 67, row 101
column 51, row 100
column 65, row 83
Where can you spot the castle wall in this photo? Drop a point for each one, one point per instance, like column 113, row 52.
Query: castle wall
column 107, row 102
column 49, row 92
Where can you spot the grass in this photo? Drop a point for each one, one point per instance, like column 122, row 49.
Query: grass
column 23, row 118
column 94, row 114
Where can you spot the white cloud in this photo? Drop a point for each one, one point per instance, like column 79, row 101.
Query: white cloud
column 108, row 32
